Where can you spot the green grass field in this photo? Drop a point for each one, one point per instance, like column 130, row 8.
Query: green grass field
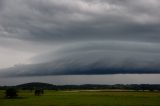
column 83, row 98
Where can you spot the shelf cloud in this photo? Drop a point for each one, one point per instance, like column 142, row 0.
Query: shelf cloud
column 67, row 37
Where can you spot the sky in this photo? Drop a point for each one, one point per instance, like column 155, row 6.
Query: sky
column 79, row 37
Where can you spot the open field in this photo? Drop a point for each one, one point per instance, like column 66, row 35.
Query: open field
column 83, row 98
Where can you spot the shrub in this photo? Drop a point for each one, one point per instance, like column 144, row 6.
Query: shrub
column 39, row 92
column 11, row 93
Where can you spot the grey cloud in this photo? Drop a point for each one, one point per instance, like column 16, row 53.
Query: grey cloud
column 72, row 20
column 1, row 4
column 82, row 35
column 94, row 58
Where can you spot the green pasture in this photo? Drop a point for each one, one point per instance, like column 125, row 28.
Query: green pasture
column 83, row 98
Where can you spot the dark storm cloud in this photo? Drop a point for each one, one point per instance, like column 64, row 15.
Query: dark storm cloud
column 67, row 20
column 96, row 57
column 82, row 36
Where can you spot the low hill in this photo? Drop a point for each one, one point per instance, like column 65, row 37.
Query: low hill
column 46, row 86
column 36, row 85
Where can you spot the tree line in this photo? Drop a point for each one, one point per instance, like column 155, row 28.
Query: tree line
column 45, row 86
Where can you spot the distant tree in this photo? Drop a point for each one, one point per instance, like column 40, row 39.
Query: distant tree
column 39, row 92
column 11, row 93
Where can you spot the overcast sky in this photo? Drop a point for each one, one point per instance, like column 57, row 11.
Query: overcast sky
column 59, row 37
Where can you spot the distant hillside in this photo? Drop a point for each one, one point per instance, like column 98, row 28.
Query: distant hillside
column 46, row 86
column 35, row 85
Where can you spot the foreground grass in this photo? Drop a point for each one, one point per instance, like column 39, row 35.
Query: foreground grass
column 62, row 98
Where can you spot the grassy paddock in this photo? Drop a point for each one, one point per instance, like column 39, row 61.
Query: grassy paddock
column 83, row 98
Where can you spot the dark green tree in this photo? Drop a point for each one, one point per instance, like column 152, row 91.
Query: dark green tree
column 11, row 93
column 39, row 92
